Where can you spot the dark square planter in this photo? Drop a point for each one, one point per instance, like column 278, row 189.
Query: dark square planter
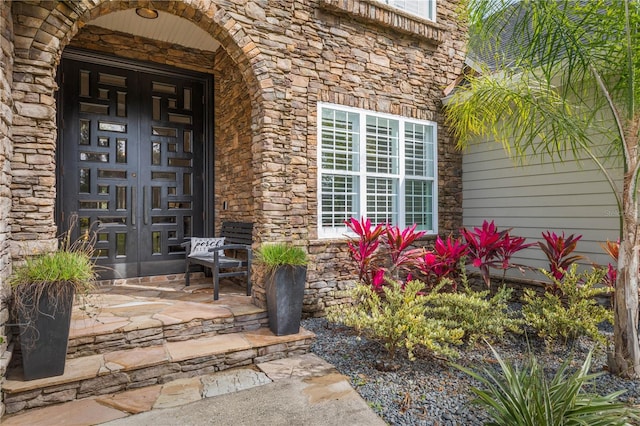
column 285, row 292
column 44, row 334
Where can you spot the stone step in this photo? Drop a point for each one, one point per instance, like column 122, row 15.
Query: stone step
column 138, row 323
column 121, row 370
column 319, row 376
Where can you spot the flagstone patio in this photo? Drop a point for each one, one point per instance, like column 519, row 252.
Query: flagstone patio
column 153, row 331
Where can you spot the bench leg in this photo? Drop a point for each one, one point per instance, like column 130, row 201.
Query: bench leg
column 187, row 273
column 216, row 282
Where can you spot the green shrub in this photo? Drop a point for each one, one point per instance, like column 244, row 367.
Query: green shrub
column 572, row 311
column 397, row 318
column 479, row 316
column 525, row 396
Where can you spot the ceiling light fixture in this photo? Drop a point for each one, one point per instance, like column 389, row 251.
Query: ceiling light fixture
column 147, row 13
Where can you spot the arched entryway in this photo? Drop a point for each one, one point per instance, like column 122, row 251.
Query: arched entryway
column 67, row 174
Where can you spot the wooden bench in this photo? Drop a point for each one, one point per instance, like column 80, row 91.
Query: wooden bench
column 234, row 256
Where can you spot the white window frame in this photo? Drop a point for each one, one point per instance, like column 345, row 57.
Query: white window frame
column 401, row 5
column 362, row 174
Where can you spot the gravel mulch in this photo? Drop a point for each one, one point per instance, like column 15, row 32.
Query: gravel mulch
column 429, row 391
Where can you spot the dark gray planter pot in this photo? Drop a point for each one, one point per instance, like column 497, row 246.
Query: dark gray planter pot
column 44, row 334
column 285, row 292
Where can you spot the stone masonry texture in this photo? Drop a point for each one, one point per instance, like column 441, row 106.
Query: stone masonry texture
column 277, row 60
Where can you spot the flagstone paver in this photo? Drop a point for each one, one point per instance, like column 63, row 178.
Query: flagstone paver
column 180, row 351
column 133, row 401
column 82, row 413
column 179, row 392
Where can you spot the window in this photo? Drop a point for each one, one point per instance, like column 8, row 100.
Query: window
column 423, row 8
column 375, row 165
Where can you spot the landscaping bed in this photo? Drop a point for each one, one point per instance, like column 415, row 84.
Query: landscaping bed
column 429, row 390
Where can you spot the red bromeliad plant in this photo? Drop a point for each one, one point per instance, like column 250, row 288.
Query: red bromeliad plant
column 403, row 257
column 443, row 260
column 488, row 248
column 363, row 250
column 375, row 260
column 612, row 249
column 558, row 250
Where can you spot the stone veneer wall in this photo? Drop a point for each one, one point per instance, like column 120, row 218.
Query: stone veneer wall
column 6, row 118
column 290, row 54
column 234, row 175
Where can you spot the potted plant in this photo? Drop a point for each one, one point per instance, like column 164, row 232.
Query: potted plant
column 285, row 276
column 43, row 289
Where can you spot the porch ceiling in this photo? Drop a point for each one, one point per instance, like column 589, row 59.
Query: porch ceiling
column 167, row 27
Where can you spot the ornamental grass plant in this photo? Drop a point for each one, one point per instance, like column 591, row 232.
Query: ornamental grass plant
column 273, row 255
column 523, row 395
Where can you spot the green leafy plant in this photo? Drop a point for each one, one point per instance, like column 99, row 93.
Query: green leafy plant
column 396, row 318
column 278, row 254
column 523, row 395
column 474, row 312
column 571, row 311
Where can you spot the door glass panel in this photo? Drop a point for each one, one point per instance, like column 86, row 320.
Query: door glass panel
column 121, row 110
column 106, row 221
column 83, row 224
column 172, row 147
column 85, row 132
column 172, row 235
column 163, row 220
column 103, row 189
column 171, row 190
column 186, row 226
column 164, row 131
column 112, row 80
column 163, row 176
column 85, row 180
column 173, row 104
column 156, row 108
column 101, row 157
column 163, row 88
column 103, row 141
column 156, row 153
column 180, row 162
column 175, row 248
column 112, row 174
column 155, row 197
column 84, row 82
column 121, row 150
column 179, row 205
column 103, row 236
column 94, row 108
column 102, row 252
column 156, row 243
column 112, row 127
column 94, row 205
column 121, row 197
column 103, row 94
column 187, row 99
column 186, row 136
column 121, row 244
column 186, row 184
column 180, row 118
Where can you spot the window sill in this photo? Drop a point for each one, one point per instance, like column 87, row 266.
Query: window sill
column 380, row 13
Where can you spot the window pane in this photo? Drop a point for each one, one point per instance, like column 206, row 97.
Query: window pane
column 339, row 199
column 340, row 140
column 382, row 195
column 421, row 8
column 419, row 204
column 382, row 145
column 418, row 143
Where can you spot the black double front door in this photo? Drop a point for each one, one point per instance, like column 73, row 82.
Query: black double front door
column 132, row 163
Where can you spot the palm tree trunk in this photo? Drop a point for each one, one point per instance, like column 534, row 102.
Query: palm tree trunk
column 626, row 359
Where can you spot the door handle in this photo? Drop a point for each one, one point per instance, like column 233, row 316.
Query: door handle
column 145, row 211
column 133, row 206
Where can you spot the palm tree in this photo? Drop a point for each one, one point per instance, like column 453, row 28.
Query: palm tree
column 554, row 73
